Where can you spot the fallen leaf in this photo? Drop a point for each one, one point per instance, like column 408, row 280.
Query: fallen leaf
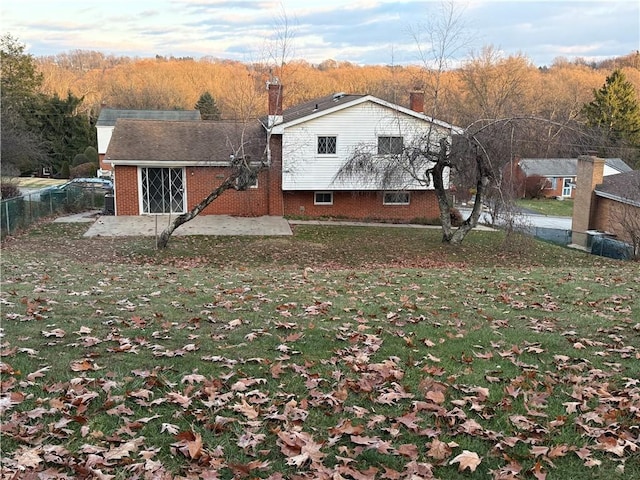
column 467, row 459
column 439, row 449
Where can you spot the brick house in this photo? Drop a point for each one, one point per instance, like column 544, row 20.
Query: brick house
column 558, row 174
column 608, row 204
column 167, row 167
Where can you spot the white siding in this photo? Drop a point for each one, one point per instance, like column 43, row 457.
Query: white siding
column 304, row 169
column 104, row 137
column 609, row 171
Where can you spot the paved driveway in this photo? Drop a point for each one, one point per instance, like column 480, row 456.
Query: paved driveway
column 533, row 220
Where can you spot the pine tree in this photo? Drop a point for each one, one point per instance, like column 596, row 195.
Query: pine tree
column 208, row 107
column 615, row 110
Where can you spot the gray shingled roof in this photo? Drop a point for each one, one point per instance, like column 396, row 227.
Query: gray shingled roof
column 623, row 187
column 322, row 104
column 192, row 142
column 109, row 116
column 317, row 105
column 549, row 167
column 563, row 167
column 618, row 164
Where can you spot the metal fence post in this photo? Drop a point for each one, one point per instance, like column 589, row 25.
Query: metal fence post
column 6, row 210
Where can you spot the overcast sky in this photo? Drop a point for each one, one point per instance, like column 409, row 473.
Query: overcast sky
column 358, row 31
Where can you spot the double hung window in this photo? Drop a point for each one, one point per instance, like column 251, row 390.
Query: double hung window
column 390, row 145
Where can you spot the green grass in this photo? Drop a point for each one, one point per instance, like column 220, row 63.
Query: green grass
column 36, row 182
column 223, row 345
column 548, row 206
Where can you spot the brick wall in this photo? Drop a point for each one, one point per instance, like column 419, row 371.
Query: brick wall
column 362, row 206
column 602, row 209
column 126, row 194
column 612, row 216
column 252, row 202
column 268, row 199
column 200, row 182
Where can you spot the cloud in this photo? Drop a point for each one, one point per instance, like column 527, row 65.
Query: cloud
column 366, row 31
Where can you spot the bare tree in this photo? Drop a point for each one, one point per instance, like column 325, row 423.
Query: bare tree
column 243, row 168
column 429, row 157
column 628, row 217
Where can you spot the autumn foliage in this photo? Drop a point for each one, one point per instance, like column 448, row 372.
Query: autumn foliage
column 486, row 86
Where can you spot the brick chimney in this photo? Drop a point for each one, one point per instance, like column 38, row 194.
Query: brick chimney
column 275, row 103
column 416, row 101
column 590, row 172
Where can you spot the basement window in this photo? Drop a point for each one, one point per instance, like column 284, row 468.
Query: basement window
column 396, row 198
column 323, row 198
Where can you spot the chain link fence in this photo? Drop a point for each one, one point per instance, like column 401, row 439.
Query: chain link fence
column 553, row 235
column 610, row 247
column 20, row 212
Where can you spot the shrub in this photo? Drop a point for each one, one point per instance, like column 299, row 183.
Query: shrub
column 79, row 159
column 65, row 172
column 9, row 189
column 534, row 185
column 84, row 170
column 92, row 154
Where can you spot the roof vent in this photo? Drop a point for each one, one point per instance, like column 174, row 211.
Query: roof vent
column 338, row 96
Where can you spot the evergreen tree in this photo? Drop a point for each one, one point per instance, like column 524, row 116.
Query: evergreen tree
column 19, row 75
column 615, row 111
column 92, row 154
column 23, row 148
column 208, row 107
column 66, row 131
column 65, row 171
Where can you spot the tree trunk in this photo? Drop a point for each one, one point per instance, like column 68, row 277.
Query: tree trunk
column 481, row 188
column 228, row 183
column 449, row 234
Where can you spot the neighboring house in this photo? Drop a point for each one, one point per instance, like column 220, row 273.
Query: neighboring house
column 559, row 174
column 109, row 116
column 608, row 204
column 167, row 167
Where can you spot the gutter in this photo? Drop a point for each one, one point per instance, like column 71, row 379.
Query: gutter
column 617, row 198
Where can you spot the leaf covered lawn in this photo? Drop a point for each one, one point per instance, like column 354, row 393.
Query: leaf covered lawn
column 336, row 354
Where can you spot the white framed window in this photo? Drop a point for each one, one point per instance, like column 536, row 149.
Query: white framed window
column 323, row 198
column 552, row 183
column 389, row 145
column 396, row 198
column 327, row 145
